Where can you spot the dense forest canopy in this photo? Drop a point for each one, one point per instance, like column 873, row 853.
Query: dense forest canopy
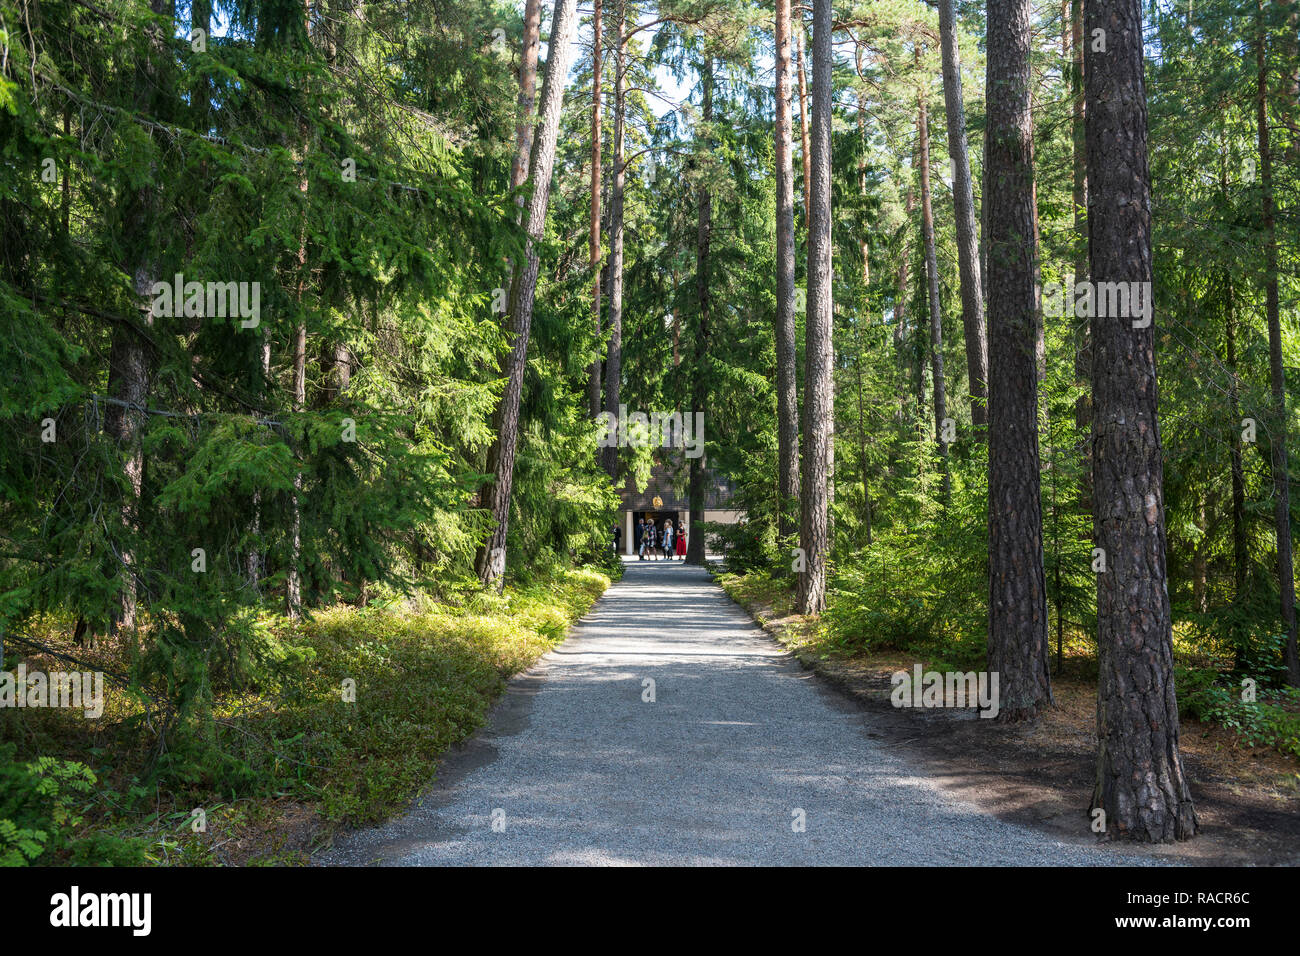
column 990, row 313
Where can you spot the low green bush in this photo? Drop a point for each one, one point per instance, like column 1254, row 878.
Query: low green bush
column 1272, row 719
column 42, row 803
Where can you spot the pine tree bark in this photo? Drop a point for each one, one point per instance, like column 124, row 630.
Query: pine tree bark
column 593, row 378
column 862, row 447
column 1018, row 645
column 963, row 198
column 932, row 285
column 491, row 559
column 900, row 310
column 1277, row 373
column 787, row 412
column 1141, row 785
column 806, row 155
column 920, row 332
column 864, row 247
column 818, row 396
column 1079, row 158
column 527, row 95
column 984, row 210
column 695, row 543
column 614, row 354
column 128, row 382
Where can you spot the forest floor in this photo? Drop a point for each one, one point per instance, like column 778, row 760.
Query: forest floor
column 1041, row 774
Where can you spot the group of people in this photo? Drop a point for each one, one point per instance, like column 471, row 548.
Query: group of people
column 652, row 542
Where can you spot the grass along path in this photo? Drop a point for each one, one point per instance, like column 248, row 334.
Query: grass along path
column 281, row 765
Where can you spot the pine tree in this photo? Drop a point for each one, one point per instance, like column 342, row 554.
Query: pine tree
column 1018, row 647
column 1141, row 785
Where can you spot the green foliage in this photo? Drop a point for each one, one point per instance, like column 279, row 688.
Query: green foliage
column 425, row 674
column 42, row 806
column 346, row 171
column 922, row 589
column 1272, row 720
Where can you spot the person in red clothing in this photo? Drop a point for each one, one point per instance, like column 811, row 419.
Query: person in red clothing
column 681, row 543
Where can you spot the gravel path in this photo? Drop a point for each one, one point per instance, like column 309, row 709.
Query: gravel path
column 577, row 769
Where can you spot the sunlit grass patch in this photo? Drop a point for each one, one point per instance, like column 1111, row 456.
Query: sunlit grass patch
column 343, row 725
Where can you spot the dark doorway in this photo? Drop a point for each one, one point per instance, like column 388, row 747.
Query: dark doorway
column 658, row 517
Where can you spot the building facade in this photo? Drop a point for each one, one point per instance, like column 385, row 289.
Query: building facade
column 666, row 497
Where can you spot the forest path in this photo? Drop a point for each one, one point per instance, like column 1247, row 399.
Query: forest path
column 581, row 770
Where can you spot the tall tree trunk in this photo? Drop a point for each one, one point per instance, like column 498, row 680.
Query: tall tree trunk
column 527, row 95
column 932, row 283
column 862, row 446
column 677, row 326
column 1079, row 157
column 864, row 247
column 1059, row 597
column 1240, row 555
column 614, row 354
column 491, row 559
column 128, row 356
column 1289, row 87
column 1017, row 640
column 963, row 198
column 128, row 382
column 255, row 557
column 803, row 114
column 1277, row 373
column 65, row 187
column 818, row 395
column 984, row 210
column 695, row 544
column 1200, row 564
column 593, row 378
column 921, row 332
column 787, row 403
column 1140, row 781
column 201, row 19
column 900, row 310
column 293, row 584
